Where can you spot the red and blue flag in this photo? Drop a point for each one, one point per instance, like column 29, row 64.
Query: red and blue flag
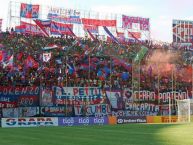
column 29, row 10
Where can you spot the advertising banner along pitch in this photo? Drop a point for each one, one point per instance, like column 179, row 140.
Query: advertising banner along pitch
column 77, row 121
column 29, row 122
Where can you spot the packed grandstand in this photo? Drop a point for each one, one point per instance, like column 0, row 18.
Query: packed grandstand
column 71, row 76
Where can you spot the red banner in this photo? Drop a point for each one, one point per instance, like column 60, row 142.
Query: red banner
column 96, row 22
column 129, row 22
column 136, row 35
column 1, row 56
column 8, row 104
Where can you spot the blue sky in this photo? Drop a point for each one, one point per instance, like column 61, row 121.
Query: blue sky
column 160, row 12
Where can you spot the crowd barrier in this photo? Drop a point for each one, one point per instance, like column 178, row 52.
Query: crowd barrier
column 29, row 122
column 133, row 119
column 161, row 119
column 56, row 121
column 83, row 121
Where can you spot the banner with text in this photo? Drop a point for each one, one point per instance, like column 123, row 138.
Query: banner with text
column 78, row 121
column 97, row 22
column 29, row 122
column 77, row 95
column 133, row 119
column 136, row 23
column 61, row 111
column 92, row 110
column 62, row 12
column 11, row 97
column 29, row 29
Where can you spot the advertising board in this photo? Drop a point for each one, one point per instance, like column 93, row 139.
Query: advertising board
column 29, row 122
column 78, row 121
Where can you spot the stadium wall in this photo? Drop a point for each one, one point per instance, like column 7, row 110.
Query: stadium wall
column 83, row 121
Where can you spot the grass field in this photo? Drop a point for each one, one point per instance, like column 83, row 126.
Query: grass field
column 130, row 134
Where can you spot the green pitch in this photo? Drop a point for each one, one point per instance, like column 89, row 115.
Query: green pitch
column 130, row 134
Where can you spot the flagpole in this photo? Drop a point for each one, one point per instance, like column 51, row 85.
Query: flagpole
column 139, row 77
column 30, row 19
column 110, row 75
column 10, row 15
column 133, row 79
column 89, row 67
column 41, row 88
column 158, row 84
column 66, row 84
column 88, row 78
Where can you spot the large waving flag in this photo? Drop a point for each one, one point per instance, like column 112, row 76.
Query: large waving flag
column 71, row 69
column 42, row 25
column 93, row 38
column 61, row 28
column 111, row 35
column 70, row 29
column 9, row 62
column 1, row 56
column 50, row 47
column 30, row 62
column 20, row 29
column 141, row 54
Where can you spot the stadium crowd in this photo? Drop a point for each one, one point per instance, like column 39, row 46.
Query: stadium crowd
column 77, row 62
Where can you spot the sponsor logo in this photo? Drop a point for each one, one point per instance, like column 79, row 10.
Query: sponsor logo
column 73, row 121
column 133, row 119
column 99, row 120
column 120, row 121
column 68, row 121
column 29, row 122
column 84, row 121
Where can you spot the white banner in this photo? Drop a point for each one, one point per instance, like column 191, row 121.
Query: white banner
column 47, row 56
column 10, row 112
column 92, row 110
column 113, row 97
column 28, row 111
column 29, row 122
